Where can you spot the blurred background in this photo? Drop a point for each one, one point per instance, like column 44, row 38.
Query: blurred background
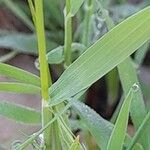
column 18, row 47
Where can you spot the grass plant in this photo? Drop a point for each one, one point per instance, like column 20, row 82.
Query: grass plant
column 109, row 56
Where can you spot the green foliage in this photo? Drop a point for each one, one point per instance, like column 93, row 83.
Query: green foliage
column 140, row 131
column 19, row 74
column 19, row 113
column 75, row 5
column 56, row 56
column 111, row 50
column 75, row 145
column 19, row 13
column 118, row 134
column 107, row 52
column 128, row 77
column 99, row 128
column 19, row 88
column 22, row 42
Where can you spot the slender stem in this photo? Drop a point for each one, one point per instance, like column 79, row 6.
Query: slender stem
column 87, row 23
column 68, row 35
column 44, row 71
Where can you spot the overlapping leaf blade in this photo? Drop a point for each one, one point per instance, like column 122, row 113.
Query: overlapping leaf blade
column 75, row 5
column 19, row 88
column 128, row 77
column 56, row 56
column 100, row 128
column 19, row 74
column 118, row 134
column 19, row 113
column 26, row 43
column 19, row 13
column 104, row 55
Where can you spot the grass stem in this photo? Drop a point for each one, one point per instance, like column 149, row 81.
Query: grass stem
column 44, row 71
column 68, row 35
column 87, row 22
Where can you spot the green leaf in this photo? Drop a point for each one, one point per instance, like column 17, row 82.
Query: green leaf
column 21, row 42
column 19, row 74
column 34, row 136
column 139, row 132
column 19, row 13
column 19, row 88
column 75, row 6
column 75, row 145
column 138, row 147
column 56, row 56
column 118, row 134
column 19, row 113
column 103, row 56
column 141, row 53
column 32, row 10
column 99, row 128
column 128, row 77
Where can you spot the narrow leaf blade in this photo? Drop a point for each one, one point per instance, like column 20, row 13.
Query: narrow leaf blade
column 19, row 88
column 19, row 74
column 99, row 128
column 21, row 42
column 19, row 113
column 75, row 6
column 103, row 56
column 128, row 77
column 116, row 140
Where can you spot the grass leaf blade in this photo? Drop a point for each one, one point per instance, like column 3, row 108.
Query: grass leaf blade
column 118, row 134
column 75, row 6
column 128, row 77
column 99, row 127
column 19, row 88
column 103, row 56
column 19, row 113
column 19, row 74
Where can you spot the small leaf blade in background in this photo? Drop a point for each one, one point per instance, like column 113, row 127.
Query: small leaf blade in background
column 128, row 77
column 141, row 53
column 75, row 6
column 21, row 42
column 19, row 88
column 19, row 113
column 7, row 56
column 103, row 56
column 99, row 128
column 19, row 13
column 140, row 131
column 118, row 134
column 56, row 56
column 19, row 74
